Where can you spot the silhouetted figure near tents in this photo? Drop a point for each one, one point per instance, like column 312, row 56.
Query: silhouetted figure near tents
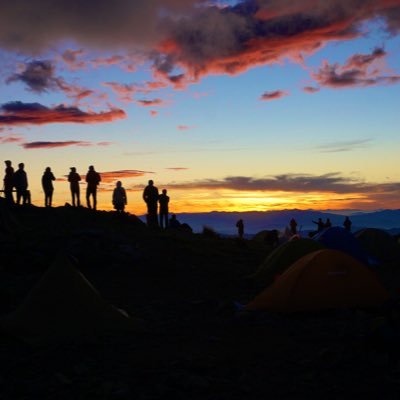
column 119, row 198
column 8, row 182
column 320, row 224
column 347, row 224
column 150, row 196
column 163, row 199
column 21, row 184
column 73, row 179
column 93, row 179
column 293, row 226
column 47, row 185
column 240, row 228
column 173, row 222
column 328, row 223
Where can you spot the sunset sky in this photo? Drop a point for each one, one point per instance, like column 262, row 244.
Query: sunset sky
column 230, row 105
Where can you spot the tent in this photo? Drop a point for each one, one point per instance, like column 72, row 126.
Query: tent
column 379, row 244
column 270, row 237
column 62, row 306
column 282, row 258
column 324, row 279
column 338, row 238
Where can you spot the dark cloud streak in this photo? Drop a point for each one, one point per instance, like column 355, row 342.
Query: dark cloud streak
column 18, row 113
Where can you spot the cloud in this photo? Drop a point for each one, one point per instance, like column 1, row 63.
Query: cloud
column 68, row 143
column 275, row 95
column 52, row 145
column 17, row 113
column 299, row 183
column 360, row 70
column 150, row 103
column 184, row 127
column 11, row 138
column 123, row 91
column 177, row 169
column 92, row 23
column 71, row 58
column 111, row 176
column 235, row 38
column 153, row 113
column 104, row 143
column 187, row 39
column 38, row 75
column 347, row 145
column 311, row 89
column 126, row 91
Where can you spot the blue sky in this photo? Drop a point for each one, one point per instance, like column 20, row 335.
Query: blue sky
column 235, row 131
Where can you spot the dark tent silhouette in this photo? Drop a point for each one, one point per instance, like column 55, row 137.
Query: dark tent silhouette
column 324, row 279
column 62, row 306
column 337, row 238
column 379, row 244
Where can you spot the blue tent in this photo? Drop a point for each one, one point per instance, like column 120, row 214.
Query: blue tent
column 337, row 238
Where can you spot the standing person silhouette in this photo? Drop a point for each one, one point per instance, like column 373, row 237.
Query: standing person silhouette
column 163, row 199
column 347, row 224
column 293, row 226
column 240, row 228
column 150, row 196
column 21, row 184
column 119, row 199
column 8, row 182
column 47, row 185
column 93, row 179
column 320, row 224
column 73, row 179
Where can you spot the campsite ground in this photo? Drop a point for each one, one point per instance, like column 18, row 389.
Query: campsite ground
column 196, row 344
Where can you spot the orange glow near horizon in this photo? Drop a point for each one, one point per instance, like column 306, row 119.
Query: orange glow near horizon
column 197, row 201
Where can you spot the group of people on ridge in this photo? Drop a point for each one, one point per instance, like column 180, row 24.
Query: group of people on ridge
column 152, row 198
column 93, row 179
column 18, row 180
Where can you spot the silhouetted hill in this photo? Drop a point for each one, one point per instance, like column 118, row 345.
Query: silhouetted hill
column 224, row 222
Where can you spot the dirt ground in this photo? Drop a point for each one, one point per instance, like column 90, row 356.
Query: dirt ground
column 197, row 344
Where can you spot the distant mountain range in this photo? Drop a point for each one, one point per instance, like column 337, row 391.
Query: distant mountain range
column 224, row 222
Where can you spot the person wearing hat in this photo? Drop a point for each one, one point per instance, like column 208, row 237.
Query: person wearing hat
column 93, row 179
column 73, row 179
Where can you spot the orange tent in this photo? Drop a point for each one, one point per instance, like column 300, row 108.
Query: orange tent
column 323, row 279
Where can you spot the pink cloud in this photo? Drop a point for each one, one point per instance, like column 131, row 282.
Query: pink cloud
column 104, row 143
column 275, row 95
column 123, row 91
column 112, row 176
column 71, row 58
column 52, row 145
column 184, row 127
column 151, row 103
column 311, row 89
column 11, row 138
column 360, row 70
column 68, row 143
column 153, row 113
column 18, row 113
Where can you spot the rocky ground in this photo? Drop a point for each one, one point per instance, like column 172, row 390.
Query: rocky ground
column 197, row 344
